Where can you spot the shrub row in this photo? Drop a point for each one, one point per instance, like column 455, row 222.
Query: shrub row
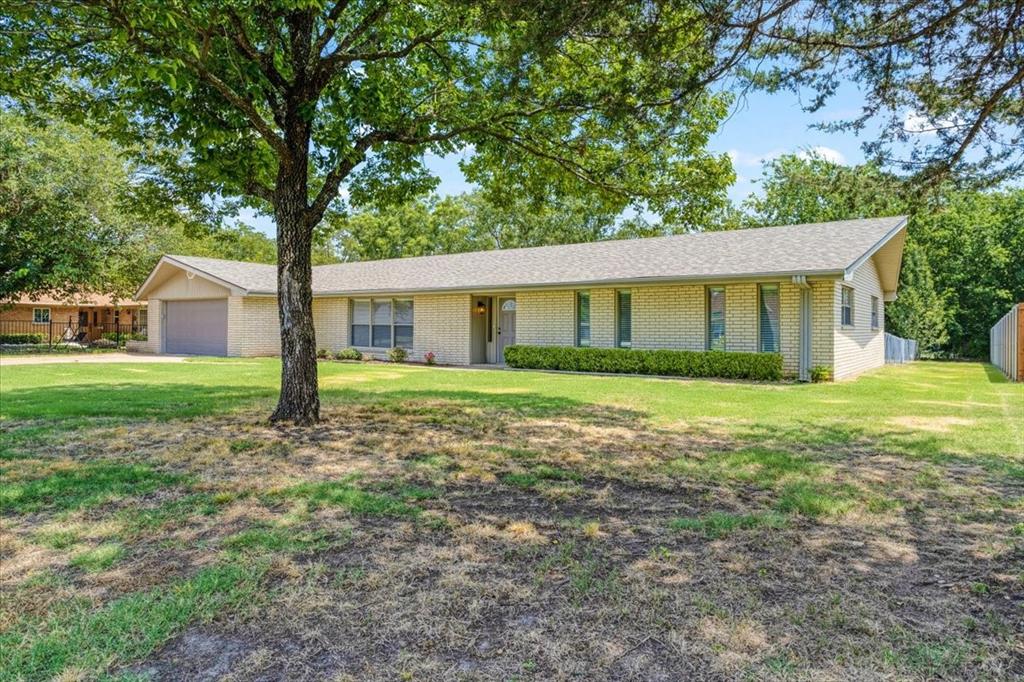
column 21, row 338
column 682, row 363
column 124, row 336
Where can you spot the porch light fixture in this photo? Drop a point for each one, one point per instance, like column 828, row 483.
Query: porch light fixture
column 480, row 308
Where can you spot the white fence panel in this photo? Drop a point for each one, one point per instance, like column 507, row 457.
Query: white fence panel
column 899, row 351
column 1003, row 343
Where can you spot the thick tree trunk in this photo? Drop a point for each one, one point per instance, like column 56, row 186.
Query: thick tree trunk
column 300, row 400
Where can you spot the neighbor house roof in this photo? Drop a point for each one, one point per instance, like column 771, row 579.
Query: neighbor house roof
column 82, row 300
column 832, row 249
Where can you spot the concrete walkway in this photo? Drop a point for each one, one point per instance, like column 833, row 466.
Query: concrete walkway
column 100, row 358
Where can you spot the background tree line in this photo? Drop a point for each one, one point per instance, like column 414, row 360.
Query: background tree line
column 75, row 208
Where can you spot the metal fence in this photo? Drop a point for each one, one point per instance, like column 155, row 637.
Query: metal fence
column 899, row 350
column 1006, row 343
column 53, row 333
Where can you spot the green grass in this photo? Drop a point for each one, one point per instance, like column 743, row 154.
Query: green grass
column 406, row 449
column 81, row 486
column 874, row 406
column 288, row 540
column 720, row 524
column 99, row 558
column 90, row 641
column 541, row 472
column 356, row 500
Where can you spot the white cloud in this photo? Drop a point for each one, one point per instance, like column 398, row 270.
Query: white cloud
column 739, row 158
column 822, row 152
column 914, row 122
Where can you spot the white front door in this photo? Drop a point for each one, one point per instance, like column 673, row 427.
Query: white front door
column 506, row 326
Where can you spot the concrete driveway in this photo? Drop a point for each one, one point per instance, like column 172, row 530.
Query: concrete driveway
column 57, row 358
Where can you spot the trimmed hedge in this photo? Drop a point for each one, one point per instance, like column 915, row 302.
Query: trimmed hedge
column 18, row 339
column 681, row 363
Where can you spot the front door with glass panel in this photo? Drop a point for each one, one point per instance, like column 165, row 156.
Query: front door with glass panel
column 506, row 326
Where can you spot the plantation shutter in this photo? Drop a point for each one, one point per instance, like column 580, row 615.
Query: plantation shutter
column 716, row 318
column 769, row 318
column 583, row 318
column 624, row 324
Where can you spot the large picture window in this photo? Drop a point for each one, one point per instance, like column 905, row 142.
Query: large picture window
column 582, row 318
column 768, row 315
column 382, row 323
column 716, row 318
column 623, row 319
column 847, row 306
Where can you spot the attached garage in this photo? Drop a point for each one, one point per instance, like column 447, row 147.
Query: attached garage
column 196, row 327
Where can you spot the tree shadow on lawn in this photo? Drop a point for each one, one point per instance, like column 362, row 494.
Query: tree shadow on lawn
column 544, row 546
column 581, row 574
column 130, row 401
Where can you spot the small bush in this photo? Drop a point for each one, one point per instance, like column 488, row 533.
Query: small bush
column 821, row 374
column 683, row 363
column 348, row 354
column 123, row 336
column 430, row 358
column 19, row 339
column 323, row 353
column 397, row 354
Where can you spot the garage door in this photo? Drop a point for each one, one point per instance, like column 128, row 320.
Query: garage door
column 196, row 327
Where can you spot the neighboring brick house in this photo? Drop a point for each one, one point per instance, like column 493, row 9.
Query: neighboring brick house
column 89, row 315
column 815, row 293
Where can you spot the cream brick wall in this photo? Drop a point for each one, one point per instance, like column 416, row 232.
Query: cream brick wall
column 859, row 348
column 741, row 330
column 669, row 317
column 441, row 324
column 822, row 323
column 154, row 327
column 789, row 327
column 546, row 318
column 602, row 318
column 253, row 326
column 331, row 320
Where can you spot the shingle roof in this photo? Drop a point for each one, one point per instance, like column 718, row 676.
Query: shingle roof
column 808, row 249
column 81, row 300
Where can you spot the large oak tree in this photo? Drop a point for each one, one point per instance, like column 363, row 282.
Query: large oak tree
column 282, row 101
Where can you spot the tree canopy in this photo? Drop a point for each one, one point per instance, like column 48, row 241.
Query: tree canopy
column 280, row 101
column 963, row 266
column 942, row 81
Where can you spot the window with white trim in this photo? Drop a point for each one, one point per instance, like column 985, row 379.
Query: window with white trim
column 382, row 323
column 716, row 318
column 768, row 318
column 582, row 318
column 846, row 306
column 41, row 316
column 874, row 313
column 624, row 318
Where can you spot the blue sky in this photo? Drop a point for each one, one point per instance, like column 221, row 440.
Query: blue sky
column 761, row 127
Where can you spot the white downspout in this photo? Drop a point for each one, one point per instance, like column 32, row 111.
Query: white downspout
column 804, row 362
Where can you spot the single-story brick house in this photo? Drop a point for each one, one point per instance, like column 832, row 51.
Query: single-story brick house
column 88, row 315
column 816, row 293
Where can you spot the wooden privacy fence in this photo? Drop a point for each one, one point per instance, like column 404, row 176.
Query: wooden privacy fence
column 1006, row 343
column 898, row 351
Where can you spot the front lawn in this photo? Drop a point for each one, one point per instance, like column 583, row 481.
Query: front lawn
column 462, row 524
